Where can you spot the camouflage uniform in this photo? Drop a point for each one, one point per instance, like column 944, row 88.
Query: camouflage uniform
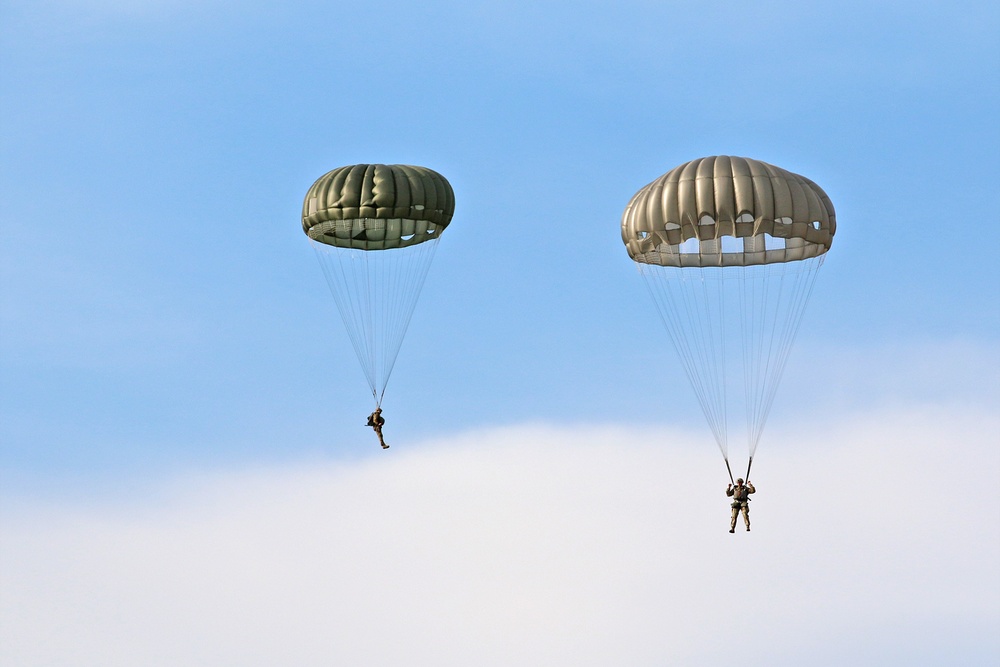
column 376, row 420
column 741, row 502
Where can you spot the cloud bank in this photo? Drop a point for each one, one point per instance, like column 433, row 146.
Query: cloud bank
column 874, row 542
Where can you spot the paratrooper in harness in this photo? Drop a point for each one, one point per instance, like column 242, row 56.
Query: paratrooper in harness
column 741, row 502
column 376, row 421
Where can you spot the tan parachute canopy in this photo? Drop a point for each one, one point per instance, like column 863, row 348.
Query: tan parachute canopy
column 741, row 211
column 377, row 206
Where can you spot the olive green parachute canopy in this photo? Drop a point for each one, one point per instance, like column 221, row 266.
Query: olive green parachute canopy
column 377, row 206
column 742, row 212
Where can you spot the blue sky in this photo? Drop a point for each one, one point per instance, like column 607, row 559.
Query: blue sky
column 162, row 316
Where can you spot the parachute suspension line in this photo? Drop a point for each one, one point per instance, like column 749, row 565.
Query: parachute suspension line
column 365, row 267
column 756, row 282
column 720, row 345
column 749, row 464
column 772, row 303
column 406, row 280
column 784, row 310
column 704, row 334
column 749, row 311
column 690, row 321
column 777, row 347
column 747, row 317
column 730, row 471
column 724, row 350
column 717, row 347
column 351, row 303
column 376, row 293
column 697, row 351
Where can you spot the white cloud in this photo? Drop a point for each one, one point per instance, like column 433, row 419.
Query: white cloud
column 874, row 541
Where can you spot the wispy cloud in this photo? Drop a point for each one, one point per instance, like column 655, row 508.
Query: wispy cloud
column 874, row 540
